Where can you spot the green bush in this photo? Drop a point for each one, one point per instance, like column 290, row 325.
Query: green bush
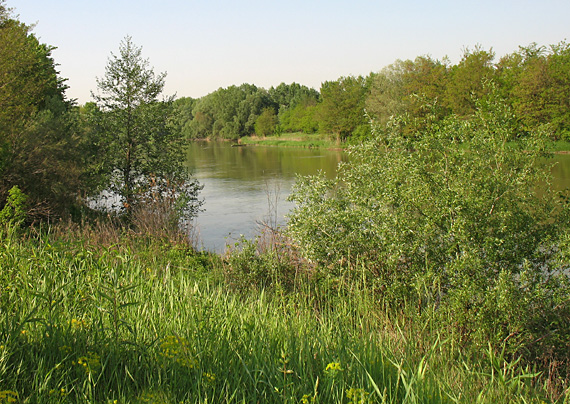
column 453, row 217
column 260, row 264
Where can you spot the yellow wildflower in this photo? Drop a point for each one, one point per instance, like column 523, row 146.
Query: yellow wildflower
column 177, row 349
column 307, row 399
column 61, row 392
column 65, row 349
column 8, row 396
column 153, row 397
column 91, row 363
column 209, row 377
column 357, row 396
column 78, row 324
column 334, row 366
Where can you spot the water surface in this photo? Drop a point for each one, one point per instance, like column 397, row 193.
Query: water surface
column 245, row 186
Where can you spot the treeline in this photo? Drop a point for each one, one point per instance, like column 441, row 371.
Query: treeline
column 237, row 111
column 534, row 81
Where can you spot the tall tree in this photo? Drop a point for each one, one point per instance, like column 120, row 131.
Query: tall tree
column 140, row 152
column 342, row 106
column 38, row 138
column 265, row 123
column 467, row 78
column 406, row 88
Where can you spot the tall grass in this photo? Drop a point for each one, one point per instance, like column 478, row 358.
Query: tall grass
column 87, row 323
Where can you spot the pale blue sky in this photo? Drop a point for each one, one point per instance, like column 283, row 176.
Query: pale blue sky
column 205, row 45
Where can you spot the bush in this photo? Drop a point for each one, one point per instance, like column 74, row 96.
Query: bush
column 267, row 262
column 460, row 215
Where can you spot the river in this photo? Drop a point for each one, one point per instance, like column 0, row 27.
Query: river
column 248, row 185
column 245, row 186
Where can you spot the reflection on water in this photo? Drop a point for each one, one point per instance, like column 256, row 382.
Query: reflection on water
column 247, row 185
column 561, row 171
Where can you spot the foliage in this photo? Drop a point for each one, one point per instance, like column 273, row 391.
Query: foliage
column 453, row 217
column 140, row 153
column 537, row 81
column 467, row 79
column 182, row 116
column 401, row 89
column 70, row 331
column 265, row 124
column 342, row 108
column 229, row 113
column 532, row 80
column 14, row 211
column 288, row 96
column 301, row 118
column 265, row 263
column 39, row 142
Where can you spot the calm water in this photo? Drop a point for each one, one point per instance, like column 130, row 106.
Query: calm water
column 244, row 186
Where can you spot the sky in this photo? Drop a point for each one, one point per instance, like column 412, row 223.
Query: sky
column 203, row 45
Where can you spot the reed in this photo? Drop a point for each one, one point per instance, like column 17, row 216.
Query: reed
column 114, row 324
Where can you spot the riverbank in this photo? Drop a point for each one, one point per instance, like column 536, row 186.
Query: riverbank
column 104, row 316
column 293, row 140
column 304, row 140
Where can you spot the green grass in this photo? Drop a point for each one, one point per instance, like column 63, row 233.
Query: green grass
column 293, row 140
column 151, row 322
column 559, row 146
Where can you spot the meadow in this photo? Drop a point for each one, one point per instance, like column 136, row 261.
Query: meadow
column 94, row 314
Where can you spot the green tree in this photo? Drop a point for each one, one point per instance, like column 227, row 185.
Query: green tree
column 558, row 92
column 38, row 133
column 387, row 96
column 265, row 123
column 455, row 203
column 301, row 118
column 466, row 81
column 287, row 96
column 182, row 116
column 404, row 88
column 141, row 154
column 229, row 113
column 537, row 82
column 341, row 110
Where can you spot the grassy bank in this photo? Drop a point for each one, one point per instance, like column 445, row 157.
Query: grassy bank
column 560, row 146
column 145, row 320
column 292, row 140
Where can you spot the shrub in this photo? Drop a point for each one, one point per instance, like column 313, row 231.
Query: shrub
column 460, row 214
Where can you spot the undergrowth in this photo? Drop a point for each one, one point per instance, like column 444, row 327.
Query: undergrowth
column 138, row 319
